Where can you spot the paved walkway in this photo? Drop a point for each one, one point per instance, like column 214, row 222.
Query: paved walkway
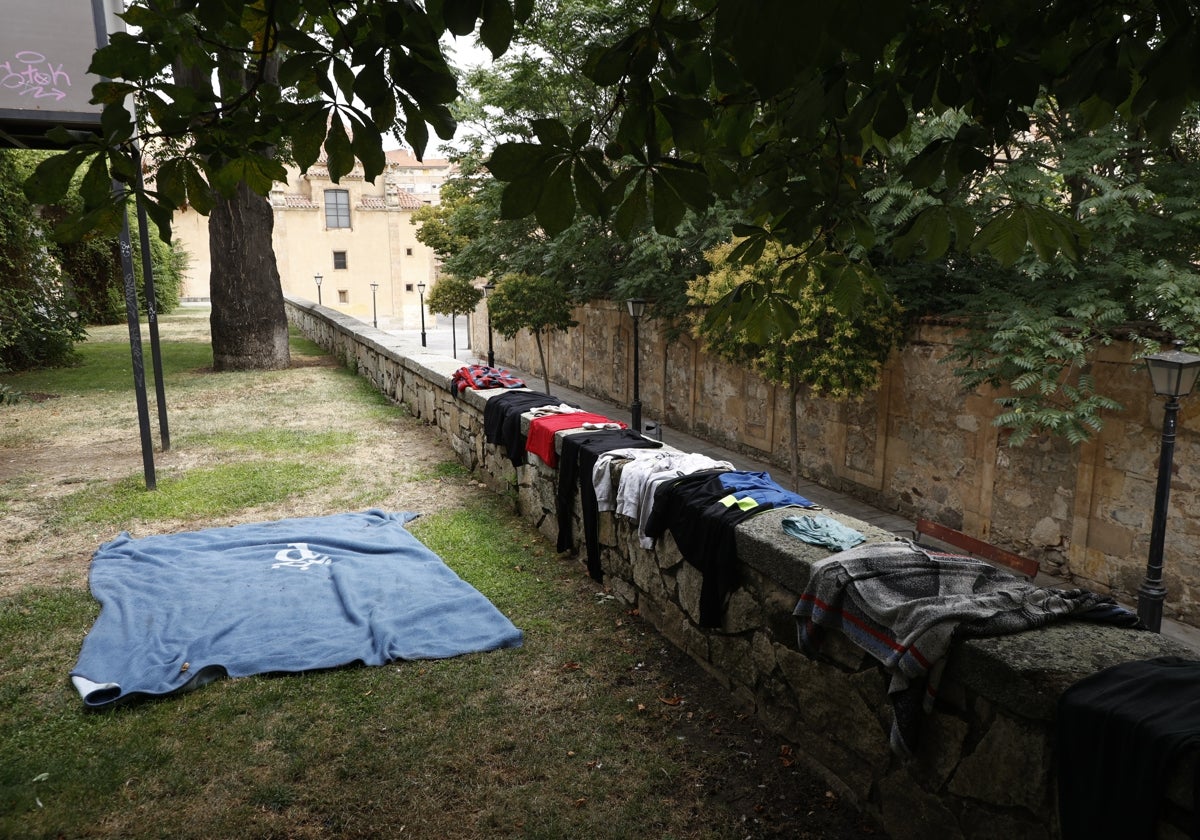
column 439, row 339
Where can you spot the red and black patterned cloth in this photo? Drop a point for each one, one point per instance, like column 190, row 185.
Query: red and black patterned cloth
column 482, row 377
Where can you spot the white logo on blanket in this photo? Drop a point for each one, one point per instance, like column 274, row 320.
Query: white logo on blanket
column 298, row 556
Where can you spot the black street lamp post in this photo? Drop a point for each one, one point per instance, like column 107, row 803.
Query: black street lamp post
column 637, row 308
column 487, row 291
column 1173, row 375
column 317, row 279
column 421, row 292
column 374, row 311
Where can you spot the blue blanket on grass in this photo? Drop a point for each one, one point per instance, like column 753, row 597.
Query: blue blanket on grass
column 180, row 610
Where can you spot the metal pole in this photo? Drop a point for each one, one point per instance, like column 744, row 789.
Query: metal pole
column 487, row 302
column 1152, row 593
column 421, row 292
column 636, row 408
column 160, row 391
column 374, row 311
column 491, row 351
column 135, row 347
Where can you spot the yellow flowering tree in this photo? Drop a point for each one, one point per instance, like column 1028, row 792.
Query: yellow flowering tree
column 776, row 315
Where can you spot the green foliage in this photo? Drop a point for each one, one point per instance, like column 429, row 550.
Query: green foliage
column 92, row 286
column 545, row 77
column 38, row 325
column 527, row 302
column 1042, row 358
column 534, row 303
column 453, row 296
column 776, row 315
column 799, row 107
column 223, row 86
column 1037, row 326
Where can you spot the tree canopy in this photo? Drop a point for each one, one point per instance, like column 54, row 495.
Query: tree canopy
column 530, row 302
column 793, row 103
column 310, row 81
column 891, row 148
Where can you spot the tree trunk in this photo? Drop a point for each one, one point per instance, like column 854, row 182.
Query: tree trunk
column 249, row 324
column 453, row 337
column 795, row 434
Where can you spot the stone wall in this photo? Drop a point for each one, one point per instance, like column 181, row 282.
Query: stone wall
column 922, row 447
column 986, row 765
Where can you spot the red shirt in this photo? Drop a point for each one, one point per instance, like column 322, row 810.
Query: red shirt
column 543, row 429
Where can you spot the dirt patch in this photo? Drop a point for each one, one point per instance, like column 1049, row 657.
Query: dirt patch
column 54, row 448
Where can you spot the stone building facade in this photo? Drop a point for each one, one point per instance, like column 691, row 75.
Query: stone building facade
column 353, row 233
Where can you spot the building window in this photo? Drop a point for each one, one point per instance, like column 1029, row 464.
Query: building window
column 408, row 287
column 339, row 259
column 408, row 252
column 337, row 208
column 343, row 296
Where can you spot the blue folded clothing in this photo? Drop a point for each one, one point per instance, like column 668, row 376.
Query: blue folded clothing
column 823, row 531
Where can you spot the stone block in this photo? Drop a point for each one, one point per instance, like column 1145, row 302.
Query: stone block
column 762, row 654
column 981, row 823
column 832, row 708
column 622, row 589
column 742, row 613
column 941, row 746
column 731, row 654
column 687, row 584
column 910, row 813
column 1010, row 766
column 1109, row 538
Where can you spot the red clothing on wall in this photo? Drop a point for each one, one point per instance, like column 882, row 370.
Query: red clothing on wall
column 543, row 429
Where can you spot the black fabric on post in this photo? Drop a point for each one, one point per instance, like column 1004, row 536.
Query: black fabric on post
column 703, row 528
column 1120, row 731
column 502, row 420
column 580, row 451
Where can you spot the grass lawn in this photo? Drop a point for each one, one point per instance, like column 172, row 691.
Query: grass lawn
column 594, row 728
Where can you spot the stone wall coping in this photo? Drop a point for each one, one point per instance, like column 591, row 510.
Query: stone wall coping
column 1023, row 672
column 406, row 352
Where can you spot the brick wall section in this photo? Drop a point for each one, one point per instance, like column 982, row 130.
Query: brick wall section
column 986, row 763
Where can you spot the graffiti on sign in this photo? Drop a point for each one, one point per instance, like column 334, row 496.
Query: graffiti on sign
column 31, row 74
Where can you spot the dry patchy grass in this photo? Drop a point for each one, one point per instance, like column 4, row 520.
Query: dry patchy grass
column 595, row 727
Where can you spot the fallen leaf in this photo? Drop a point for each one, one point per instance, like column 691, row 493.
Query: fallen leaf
column 580, row 802
column 570, row 666
column 671, row 701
